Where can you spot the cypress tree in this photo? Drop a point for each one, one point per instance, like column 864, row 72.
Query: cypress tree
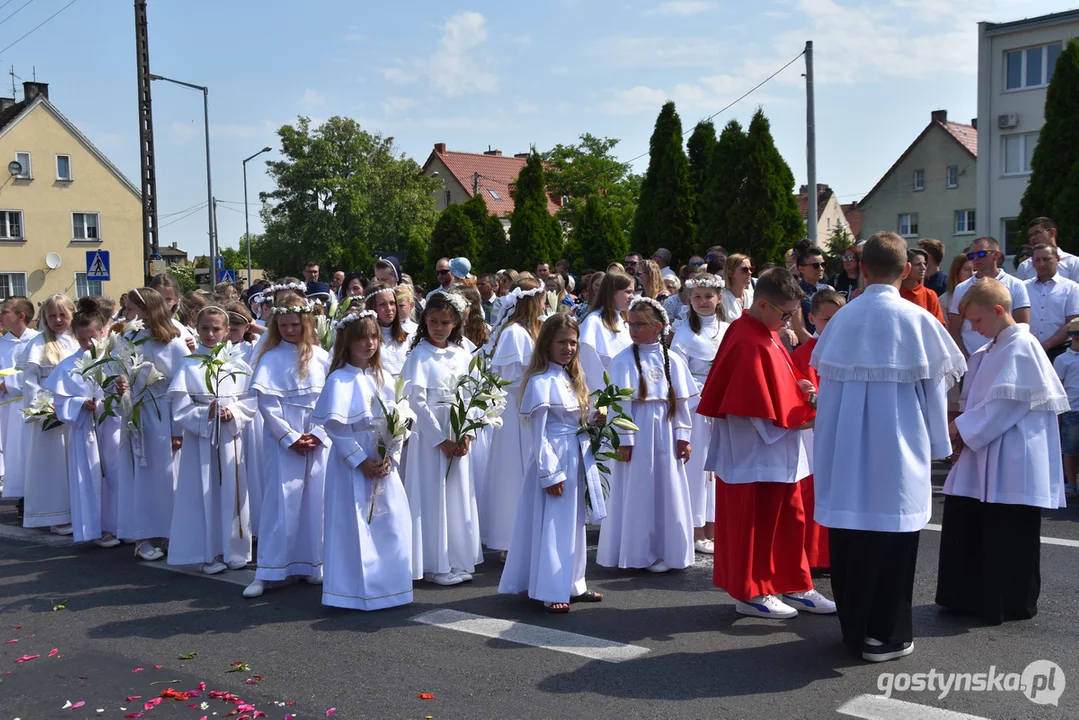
column 727, row 173
column 597, row 236
column 492, row 245
column 765, row 220
column 700, row 148
column 453, row 236
column 665, row 210
column 535, row 234
column 1051, row 190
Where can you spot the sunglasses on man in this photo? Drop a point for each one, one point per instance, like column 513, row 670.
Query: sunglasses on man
column 442, row 272
column 818, row 265
column 979, row 254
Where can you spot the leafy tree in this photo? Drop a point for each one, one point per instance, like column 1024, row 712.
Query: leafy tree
column 236, row 259
column 590, row 168
column 185, row 275
column 699, row 149
column 535, row 235
column 492, row 245
column 665, row 211
column 343, row 195
column 598, row 235
column 1054, row 175
column 764, row 221
column 453, row 236
column 723, row 186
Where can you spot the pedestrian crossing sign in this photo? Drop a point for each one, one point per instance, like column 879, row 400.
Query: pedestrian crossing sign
column 97, row 265
column 226, row 276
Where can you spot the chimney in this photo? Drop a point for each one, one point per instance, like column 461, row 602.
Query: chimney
column 5, row 103
column 493, row 153
column 521, row 156
column 973, row 122
column 940, row 116
column 174, row 246
column 31, row 90
column 804, row 190
column 440, row 148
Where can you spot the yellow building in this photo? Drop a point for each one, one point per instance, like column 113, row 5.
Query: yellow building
column 62, row 199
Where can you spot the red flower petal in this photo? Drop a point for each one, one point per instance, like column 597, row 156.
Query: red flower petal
column 133, row 698
column 79, row 704
column 26, row 658
column 137, row 670
column 9, row 642
column 202, row 686
column 331, row 711
column 17, row 627
column 425, row 696
column 54, row 652
column 158, row 667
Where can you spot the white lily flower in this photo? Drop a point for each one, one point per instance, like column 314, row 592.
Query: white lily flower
column 134, row 326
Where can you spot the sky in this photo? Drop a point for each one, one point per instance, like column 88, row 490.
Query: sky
column 501, row 75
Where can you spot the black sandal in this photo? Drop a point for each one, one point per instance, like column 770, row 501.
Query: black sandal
column 588, row 596
column 553, row 609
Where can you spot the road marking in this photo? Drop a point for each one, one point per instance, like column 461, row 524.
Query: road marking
column 243, row 578
column 558, row 640
column 878, row 707
column 35, row 536
column 1064, row 542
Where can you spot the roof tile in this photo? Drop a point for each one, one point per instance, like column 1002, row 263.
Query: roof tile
column 496, row 172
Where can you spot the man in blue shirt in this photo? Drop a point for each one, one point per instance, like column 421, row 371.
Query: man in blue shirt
column 811, row 267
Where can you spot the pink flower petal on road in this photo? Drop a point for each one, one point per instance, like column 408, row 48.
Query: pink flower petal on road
column 26, row 658
column 331, row 711
column 10, row 642
column 158, row 667
column 137, row 670
column 133, row 698
column 79, row 704
column 54, row 652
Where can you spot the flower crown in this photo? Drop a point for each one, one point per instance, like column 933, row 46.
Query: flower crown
column 370, row 295
column 509, row 303
column 353, row 317
column 459, row 303
column 714, row 283
column 294, row 310
column 662, row 313
column 299, row 287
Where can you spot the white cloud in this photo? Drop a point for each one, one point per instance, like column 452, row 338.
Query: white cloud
column 456, row 67
column 681, row 7
column 182, row 132
column 638, row 99
column 394, row 103
column 651, row 52
column 312, row 99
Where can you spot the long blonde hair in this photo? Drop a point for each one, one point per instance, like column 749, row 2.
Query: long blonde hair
column 528, row 311
column 273, row 335
column 54, row 353
column 541, row 360
column 158, row 322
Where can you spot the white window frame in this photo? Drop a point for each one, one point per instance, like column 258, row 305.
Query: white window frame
column 1023, row 66
column 912, row 224
column 28, row 166
column 5, row 226
column 60, row 178
column 951, row 172
column 97, row 225
column 7, row 289
column 968, row 225
column 92, row 287
column 919, row 180
column 1023, row 139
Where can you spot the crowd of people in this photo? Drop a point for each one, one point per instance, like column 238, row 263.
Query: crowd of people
column 346, row 434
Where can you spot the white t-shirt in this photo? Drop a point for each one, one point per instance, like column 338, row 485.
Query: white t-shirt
column 1067, row 367
column 1051, row 304
column 973, row 340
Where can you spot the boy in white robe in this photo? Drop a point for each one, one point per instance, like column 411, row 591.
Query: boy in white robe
column 885, row 365
column 16, row 313
column 1008, row 471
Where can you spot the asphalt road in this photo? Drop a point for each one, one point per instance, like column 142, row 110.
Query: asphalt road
column 690, row 655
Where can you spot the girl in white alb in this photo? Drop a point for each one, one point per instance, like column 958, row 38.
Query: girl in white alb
column 368, row 555
column 649, row 516
column 548, row 553
column 46, row 496
column 697, row 341
column 211, row 523
column 396, row 331
column 604, row 333
column 290, row 371
column 240, row 323
column 15, row 314
column 445, row 529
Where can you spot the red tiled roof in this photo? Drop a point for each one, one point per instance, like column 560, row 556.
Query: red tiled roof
column 967, row 135
column 853, row 213
column 824, row 193
column 496, row 172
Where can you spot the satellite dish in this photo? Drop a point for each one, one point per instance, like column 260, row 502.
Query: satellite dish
column 14, row 168
column 53, row 260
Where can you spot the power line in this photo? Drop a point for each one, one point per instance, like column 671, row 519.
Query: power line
column 5, row 4
column 15, row 13
column 35, row 28
column 193, row 207
column 183, row 217
column 226, row 207
column 740, row 99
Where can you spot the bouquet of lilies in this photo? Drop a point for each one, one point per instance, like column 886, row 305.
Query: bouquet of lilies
column 41, row 410
column 393, row 426
column 478, row 401
column 324, row 332
column 219, row 365
column 601, row 429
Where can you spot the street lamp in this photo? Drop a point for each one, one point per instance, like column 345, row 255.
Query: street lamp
column 247, row 226
column 209, row 185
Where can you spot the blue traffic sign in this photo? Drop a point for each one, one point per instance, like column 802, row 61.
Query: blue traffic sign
column 219, row 263
column 97, row 265
column 228, row 276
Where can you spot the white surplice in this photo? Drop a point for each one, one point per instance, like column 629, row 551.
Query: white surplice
column 1011, row 440
column 649, row 515
column 598, row 347
column 445, row 530
column 47, row 499
column 699, row 351
column 12, row 428
column 210, row 517
column 885, row 366
column 393, row 353
column 290, row 539
column 368, row 555
column 505, row 466
column 253, row 434
column 548, row 552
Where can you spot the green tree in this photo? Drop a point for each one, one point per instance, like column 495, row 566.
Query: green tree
column 185, row 275
column 492, row 245
column 764, row 221
column 1052, row 188
column 598, row 235
column 722, row 189
column 699, row 149
column 665, row 211
column 453, row 236
column 236, row 259
column 342, row 195
column 535, row 234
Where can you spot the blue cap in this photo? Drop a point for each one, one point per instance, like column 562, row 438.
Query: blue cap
column 460, row 267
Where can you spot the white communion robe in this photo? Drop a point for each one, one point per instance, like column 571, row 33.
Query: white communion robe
column 699, row 350
column 598, row 347
column 882, row 413
column 393, row 353
column 1011, row 399
column 47, row 500
column 549, row 549
column 445, row 527
column 12, row 428
column 88, row 491
column 368, row 556
column 253, row 434
column 510, row 447
column 210, row 517
column 649, row 514
column 146, row 494
column 290, row 543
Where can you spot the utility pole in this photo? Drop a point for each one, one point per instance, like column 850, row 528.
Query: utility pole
column 811, row 149
column 475, row 183
column 148, row 174
column 213, row 260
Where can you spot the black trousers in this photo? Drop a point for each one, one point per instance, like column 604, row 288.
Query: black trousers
column 873, row 582
column 990, row 559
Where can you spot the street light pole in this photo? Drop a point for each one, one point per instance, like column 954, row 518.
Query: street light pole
column 247, row 222
column 209, row 184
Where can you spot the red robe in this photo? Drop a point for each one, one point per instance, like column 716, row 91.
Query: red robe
column 816, row 540
column 760, row 526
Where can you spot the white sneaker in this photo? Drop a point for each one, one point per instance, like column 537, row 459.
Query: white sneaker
column 765, row 606
column 465, row 575
column 811, row 601
column 148, row 552
column 658, row 567
column 214, row 568
column 311, row 580
column 254, row 589
column 236, row 564
column 61, row 529
column 446, row 579
column 704, row 547
column 109, row 541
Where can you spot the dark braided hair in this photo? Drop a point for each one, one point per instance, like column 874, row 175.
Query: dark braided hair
column 671, row 397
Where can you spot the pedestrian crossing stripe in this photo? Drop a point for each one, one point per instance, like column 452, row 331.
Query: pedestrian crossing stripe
column 97, row 265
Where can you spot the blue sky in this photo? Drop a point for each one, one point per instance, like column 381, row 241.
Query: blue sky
column 506, row 75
